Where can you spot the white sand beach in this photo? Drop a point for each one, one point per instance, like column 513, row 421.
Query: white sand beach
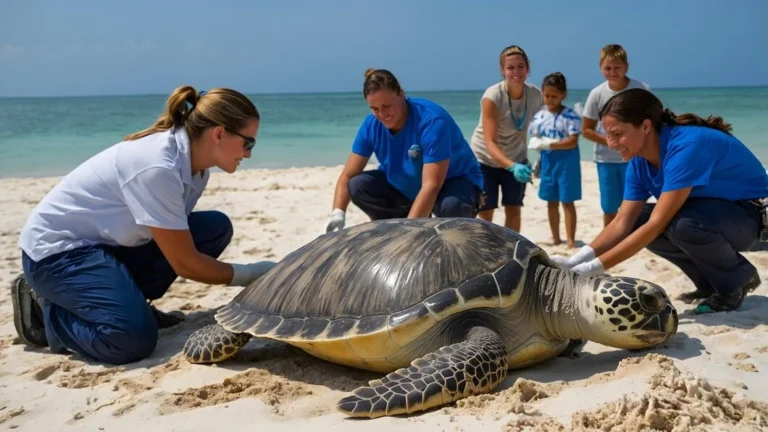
column 711, row 376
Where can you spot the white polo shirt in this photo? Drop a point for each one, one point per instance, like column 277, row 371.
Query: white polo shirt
column 113, row 197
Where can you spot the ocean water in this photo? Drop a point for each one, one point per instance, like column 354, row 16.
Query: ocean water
column 51, row 136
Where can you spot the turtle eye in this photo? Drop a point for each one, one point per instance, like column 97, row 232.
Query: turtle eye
column 651, row 301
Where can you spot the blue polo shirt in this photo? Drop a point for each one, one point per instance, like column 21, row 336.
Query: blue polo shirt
column 430, row 135
column 713, row 163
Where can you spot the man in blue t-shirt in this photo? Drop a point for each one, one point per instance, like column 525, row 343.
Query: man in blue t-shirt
column 425, row 164
column 707, row 186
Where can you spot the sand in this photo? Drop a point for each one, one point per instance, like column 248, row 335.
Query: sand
column 710, row 376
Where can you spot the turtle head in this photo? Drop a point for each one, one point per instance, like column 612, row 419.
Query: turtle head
column 626, row 313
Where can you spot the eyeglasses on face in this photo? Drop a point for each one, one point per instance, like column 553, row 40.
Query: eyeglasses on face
column 250, row 142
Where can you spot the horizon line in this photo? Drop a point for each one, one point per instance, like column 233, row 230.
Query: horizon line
column 351, row 92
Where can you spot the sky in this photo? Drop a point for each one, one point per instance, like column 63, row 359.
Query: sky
column 97, row 47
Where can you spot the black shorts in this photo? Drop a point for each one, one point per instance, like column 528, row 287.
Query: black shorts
column 512, row 191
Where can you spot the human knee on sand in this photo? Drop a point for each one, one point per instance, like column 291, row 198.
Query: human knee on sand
column 425, row 164
column 474, row 300
column 115, row 232
column 708, row 186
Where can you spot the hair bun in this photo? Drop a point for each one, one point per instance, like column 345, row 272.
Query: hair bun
column 369, row 72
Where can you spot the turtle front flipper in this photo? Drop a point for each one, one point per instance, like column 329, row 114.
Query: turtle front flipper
column 212, row 344
column 476, row 365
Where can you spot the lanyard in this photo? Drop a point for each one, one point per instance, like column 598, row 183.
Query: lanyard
column 519, row 124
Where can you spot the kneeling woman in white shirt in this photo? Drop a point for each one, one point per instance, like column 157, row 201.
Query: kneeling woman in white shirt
column 119, row 229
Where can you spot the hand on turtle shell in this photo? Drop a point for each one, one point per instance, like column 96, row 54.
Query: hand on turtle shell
column 336, row 221
column 245, row 274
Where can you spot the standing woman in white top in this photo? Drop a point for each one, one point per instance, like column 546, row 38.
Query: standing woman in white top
column 499, row 140
column 119, row 229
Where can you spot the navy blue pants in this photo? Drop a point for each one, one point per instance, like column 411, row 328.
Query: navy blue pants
column 95, row 297
column 705, row 239
column 373, row 194
column 512, row 191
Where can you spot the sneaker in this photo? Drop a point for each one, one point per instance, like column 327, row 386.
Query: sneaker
column 164, row 319
column 27, row 313
column 720, row 303
column 694, row 296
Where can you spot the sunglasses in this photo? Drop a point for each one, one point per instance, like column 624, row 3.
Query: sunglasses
column 250, row 142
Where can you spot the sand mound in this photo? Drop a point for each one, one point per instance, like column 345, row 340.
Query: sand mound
column 677, row 401
column 273, row 390
column 515, row 399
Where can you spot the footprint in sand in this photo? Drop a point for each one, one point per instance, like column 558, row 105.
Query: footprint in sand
column 74, row 375
column 746, row 367
column 9, row 414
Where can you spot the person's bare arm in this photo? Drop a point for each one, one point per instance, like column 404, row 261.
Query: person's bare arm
column 588, row 129
column 566, row 143
column 433, row 177
column 354, row 166
column 667, row 206
column 187, row 262
column 619, row 227
column 490, row 118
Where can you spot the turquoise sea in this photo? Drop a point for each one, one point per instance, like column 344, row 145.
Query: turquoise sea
column 50, row 136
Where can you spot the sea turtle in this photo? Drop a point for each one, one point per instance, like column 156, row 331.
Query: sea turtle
column 443, row 307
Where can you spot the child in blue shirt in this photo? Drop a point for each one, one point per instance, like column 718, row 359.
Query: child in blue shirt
column 554, row 131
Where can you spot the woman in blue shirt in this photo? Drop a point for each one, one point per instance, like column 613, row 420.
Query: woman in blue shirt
column 425, row 164
column 707, row 185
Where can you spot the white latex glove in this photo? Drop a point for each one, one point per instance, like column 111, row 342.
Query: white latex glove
column 245, row 274
column 592, row 267
column 336, row 221
column 539, row 144
column 584, row 254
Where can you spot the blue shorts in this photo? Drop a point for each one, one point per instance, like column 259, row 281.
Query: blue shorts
column 560, row 179
column 494, row 179
column 611, row 178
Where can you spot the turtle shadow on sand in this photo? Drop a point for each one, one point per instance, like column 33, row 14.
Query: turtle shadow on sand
column 284, row 360
column 680, row 346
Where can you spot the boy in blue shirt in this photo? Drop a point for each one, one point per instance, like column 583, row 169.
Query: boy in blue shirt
column 425, row 164
column 707, row 186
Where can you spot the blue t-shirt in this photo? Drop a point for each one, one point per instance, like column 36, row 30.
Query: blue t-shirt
column 546, row 124
column 430, row 135
column 715, row 164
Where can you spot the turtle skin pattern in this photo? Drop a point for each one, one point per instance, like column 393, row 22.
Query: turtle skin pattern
column 213, row 344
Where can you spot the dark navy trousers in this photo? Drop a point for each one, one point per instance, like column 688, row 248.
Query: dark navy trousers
column 374, row 195
column 705, row 239
column 95, row 297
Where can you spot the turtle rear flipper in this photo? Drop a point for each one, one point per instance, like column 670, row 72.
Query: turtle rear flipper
column 476, row 365
column 213, row 344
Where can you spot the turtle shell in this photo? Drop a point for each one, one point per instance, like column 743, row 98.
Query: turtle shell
column 383, row 283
